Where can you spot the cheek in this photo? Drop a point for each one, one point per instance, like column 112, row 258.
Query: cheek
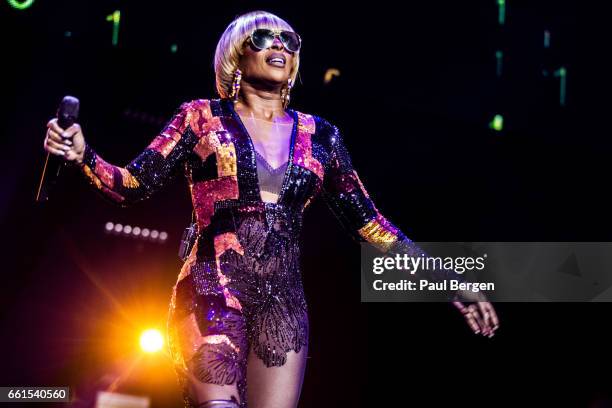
column 250, row 60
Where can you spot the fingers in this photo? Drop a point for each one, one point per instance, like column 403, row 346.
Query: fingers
column 52, row 125
column 469, row 316
column 472, row 322
column 55, row 144
column 53, row 148
column 486, row 319
column 494, row 318
column 481, row 318
column 490, row 317
column 63, row 133
column 71, row 131
column 477, row 317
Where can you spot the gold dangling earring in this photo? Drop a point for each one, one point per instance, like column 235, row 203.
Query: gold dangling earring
column 236, row 85
column 285, row 93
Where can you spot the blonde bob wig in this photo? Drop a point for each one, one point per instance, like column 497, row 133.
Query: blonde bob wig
column 230, row 46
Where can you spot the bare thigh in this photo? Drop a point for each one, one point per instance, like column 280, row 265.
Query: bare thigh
column 275, row 387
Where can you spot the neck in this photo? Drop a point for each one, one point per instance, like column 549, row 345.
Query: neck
column 261, row 103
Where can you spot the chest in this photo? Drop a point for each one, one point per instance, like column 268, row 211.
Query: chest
column 272, row 140
column 225, row 164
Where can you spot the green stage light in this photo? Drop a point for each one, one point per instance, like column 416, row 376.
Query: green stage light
column 115, row 18
column 20, row 5
column 561, row 73
column 501, row 11
column 546, row 39
column 497, row 123
column 499, row 57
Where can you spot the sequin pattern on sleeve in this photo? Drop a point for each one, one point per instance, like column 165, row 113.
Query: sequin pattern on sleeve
column 149, row 171
column 348, row 199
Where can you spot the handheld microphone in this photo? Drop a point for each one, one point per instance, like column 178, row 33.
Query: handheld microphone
column 67, row 114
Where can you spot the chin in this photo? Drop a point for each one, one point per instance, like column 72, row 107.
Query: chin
column 277, row 78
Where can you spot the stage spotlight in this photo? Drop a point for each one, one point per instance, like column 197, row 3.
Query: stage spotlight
column 151, row 341
column 136, row 232
column 330, row 74
column 497, row 123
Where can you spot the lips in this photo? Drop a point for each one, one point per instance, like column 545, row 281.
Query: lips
column 276, row 59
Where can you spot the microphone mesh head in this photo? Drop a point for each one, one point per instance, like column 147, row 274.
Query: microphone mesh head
column 68, row 111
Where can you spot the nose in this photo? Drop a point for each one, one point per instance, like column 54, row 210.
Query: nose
column 277, row 43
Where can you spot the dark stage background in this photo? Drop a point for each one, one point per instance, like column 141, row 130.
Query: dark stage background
column 417, row 90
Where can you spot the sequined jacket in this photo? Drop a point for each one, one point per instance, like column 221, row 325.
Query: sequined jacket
column 207, row 140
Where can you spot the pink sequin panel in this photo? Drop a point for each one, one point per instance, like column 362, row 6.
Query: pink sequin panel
column 206, row 145
column 303, row 145
column 221, row 338
column 386, row 225
column 224, row 242
column 165, row 142
column 105, row 171
column 95, row 180
column 364, row 190
column 198, row 117
column 196, row 114
column 209, row 139
column 204, row 194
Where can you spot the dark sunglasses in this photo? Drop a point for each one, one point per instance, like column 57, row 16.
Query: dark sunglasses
column 263, row 38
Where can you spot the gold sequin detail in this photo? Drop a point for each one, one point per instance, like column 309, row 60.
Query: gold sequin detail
column 377, row 234
column 91, row 176
column 127, row 179
column 226, row 160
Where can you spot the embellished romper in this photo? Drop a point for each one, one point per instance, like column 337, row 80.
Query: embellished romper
column 241, row 287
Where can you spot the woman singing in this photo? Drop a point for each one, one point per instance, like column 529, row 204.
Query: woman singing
column 238, row 323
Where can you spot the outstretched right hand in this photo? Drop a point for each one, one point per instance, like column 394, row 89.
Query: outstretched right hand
column 67, row 143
